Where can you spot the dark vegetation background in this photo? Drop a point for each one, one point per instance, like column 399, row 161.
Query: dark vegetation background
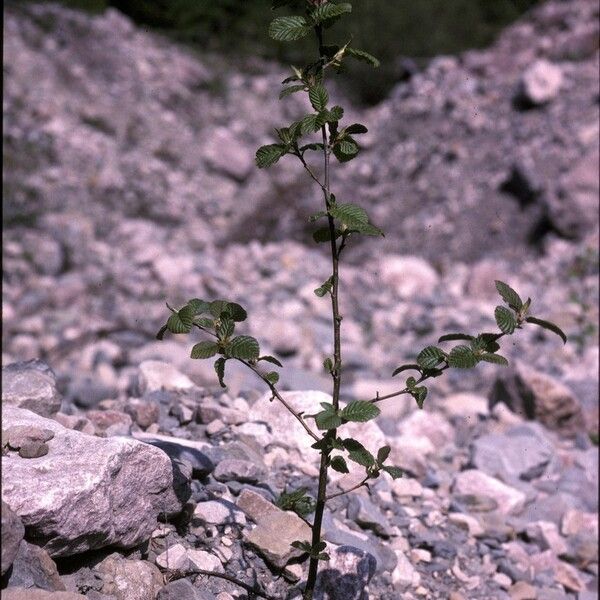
column 392, row 30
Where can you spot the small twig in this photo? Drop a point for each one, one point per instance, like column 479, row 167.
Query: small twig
column 354, row 487
column 309, row 171
column 249, row 588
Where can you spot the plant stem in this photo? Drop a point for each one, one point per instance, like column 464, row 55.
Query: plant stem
column 337, row 355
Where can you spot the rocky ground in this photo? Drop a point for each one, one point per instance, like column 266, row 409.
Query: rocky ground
column 129, row 180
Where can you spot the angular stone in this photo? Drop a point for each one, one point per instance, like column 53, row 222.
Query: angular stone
column 18, row 436
column 466, row 405
column 239, row 470
column 174, row 558
column 467, row 522
column 408, row 276
column 33, row 449
column 12, row 533
column 181, row 589
column 218, row 512
column 477, row 483
column 518, row 454
column 535, row 395
column 108, row 423
column 33, row 568
column 143, row 412
column 78, row 497
column 522, row 590
column 546, row 535
column 404, row 575
column 272, row 537
column 346, row 575
column 31, row 385
column 225, row 153
column 255, row 506
column 127, row 579
column 157, row 375
column 204, row 560
column 366, row 514
column 575, row 521
column 405, row 487
column 432, row 426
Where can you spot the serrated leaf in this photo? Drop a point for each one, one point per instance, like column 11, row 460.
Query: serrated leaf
column 323, row 556
column 327, row 12
column 272, row 377
column 236, row 311
column 453, row 337
column 291, row 90
column 335, row 114
column 494, row 358
column 181, row 321
column 271, row 359
column 382, row 454
column 348, row 147
column 411, row 367
column 358, row 453
column 360, row 411
column 304, row 546
column 198, row 306
column 204, row 322
column 289, row 29
column 268, row 155
column 338, row 464
column 362, row 56
column 485, row 341
column 509, row 295
column 327, row 418
column 318, row 97
column 394, row 472
column 505, row 319
column 462, row 357
column 206, row 349
column 220, row 370
column 430, row 357
column 549, row 326
column 217, row 307
column 244, row 347
column 226, row 328
column 411, row 382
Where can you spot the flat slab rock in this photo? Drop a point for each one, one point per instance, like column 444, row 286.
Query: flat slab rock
column 87, row 492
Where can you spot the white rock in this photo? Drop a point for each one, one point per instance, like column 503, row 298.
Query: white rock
column 408, row 276
column 407, row 487
column 472, row 481
column 465, row 405
column 541, row 82
column 79, row 496
column 468, row 522
column 156, row 375
column 174, row 558
column 204, row 560
column 226, row 153
column 404, row 574
column 427, row 424
column 218, row 512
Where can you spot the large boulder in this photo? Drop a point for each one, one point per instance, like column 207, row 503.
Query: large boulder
column 535, row 395
column 12, row 534
column 31, row 385
column 34, row 569
column 87, row 492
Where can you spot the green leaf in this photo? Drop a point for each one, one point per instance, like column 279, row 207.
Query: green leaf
column 358, row 453
column 181, row 321
column 288, row 91
column 271, row 359
column 362, row 56
column 430, row 357
column 318, row 97
column 360, row 411
column 325, row 288
column 272, row 377
column 419, row 394
column 348, row 147
column 161, row 332
column 411, row 367
column 462, row 357
column 548, row 325
column 329, row 12
column 327, row 418
column 269, row 155
column 328, row 365
column 323, row 556
column 355, row 218
column 204, row 322
column 338, row 463
column 198, row 306
column 236, row 311
column 220, row 370
column 316, row 216
column 486, row 341
column 244, row 347
column 204, row 349
column 494, row 358
column 289, row 29
column 382, row 454
column 505, row 318
column 304, row 546
column 335, row 114
column 394, row 472
column 217, row 307
column 355, row 128
column 225, row 328
column 452, row 337
column 509, row 295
